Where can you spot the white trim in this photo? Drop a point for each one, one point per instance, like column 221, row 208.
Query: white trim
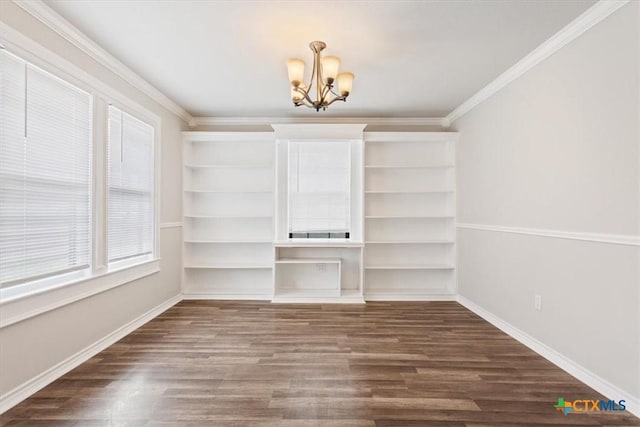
column 170, row 225
column 310, row 132
column 391, row 296
column 614, row 239
column 64, row 28
column 33, row 52
column 207, row 136
column 34, row 302
column 23, row 391
column 214, row 296
column 578, row 26
column 410, row 136
column 355, row 299
column 378, row 121
column 29, row 305
column 571, row 367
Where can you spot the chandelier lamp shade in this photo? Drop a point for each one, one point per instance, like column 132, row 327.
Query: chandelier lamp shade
column 322, row 85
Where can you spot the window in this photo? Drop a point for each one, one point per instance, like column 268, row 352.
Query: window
column 131, row 188
column 45, row 174
column 319, row 189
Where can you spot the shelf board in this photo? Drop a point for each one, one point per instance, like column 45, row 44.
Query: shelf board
column 315, row 293
column 230, row 191
column 229, row 241
column 409, row 267
column 229, row 267
column 229, row 216
column 407, row 242
column 318, row 243
column 228, row 166
column 409, row 217
column 408, row 192
column 409, row 166
column 308, row 261
column 408, row 295
column 318, row 297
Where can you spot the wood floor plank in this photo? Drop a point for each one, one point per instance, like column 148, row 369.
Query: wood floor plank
column 232, row 363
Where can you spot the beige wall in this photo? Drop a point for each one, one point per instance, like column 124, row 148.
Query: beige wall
column 558, row 149
column 30, row 347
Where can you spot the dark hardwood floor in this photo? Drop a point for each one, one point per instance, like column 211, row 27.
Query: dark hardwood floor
column 205, row 363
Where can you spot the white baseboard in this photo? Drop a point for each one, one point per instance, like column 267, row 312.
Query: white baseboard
column 23, row 391
column 390, row 296
column 318, row 300
column 213, row 296
column 589, row 378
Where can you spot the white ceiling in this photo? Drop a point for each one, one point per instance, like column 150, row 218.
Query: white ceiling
column 410, row 58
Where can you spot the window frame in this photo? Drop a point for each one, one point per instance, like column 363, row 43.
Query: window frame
column 349, row 218
column 42, row 281
column 53, row 291
column 129, row 262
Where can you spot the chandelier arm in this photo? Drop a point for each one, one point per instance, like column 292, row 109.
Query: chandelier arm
column 306, row 102
column 326, row 90
column 304, row 93
column 339, row 98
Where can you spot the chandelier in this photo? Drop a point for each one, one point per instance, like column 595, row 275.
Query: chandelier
column 323, row 76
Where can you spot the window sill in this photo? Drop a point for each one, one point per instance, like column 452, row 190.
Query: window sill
column 24, row 306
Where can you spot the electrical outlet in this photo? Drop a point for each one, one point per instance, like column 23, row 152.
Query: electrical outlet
column 537, row 302
column 321, row 267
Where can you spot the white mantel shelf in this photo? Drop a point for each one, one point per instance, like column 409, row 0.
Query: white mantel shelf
column 318, row 243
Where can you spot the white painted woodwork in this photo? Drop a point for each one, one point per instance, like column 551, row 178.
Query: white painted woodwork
column 304, row 268
column 308, row 271
column 402, row 199
column 441, row 47
column 308, row 277
column 409, row 210
column 228, row 214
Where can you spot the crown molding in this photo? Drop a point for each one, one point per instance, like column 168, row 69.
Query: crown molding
column 381, row 121
column 578, row 26
column 64, row 28
column 50, row 18
column 191, row 136
column 410, row 136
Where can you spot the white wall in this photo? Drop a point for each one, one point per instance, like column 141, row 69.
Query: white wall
column 30, row 347
column 558, row 149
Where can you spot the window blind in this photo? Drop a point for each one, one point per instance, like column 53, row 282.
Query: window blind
column 131, row 186
column 45, row 174
column 319, row 188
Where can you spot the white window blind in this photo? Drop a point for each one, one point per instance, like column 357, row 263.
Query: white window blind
column 45, row 174
column 319, row 189
column 131, row 187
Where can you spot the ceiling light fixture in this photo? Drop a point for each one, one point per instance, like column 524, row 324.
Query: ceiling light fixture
column 325, row 73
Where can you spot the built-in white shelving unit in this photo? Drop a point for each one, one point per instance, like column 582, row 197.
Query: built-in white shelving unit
column 409, row 215
column 402, row 212
column 228, row 214
column 319, row 270
column 323, row 271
